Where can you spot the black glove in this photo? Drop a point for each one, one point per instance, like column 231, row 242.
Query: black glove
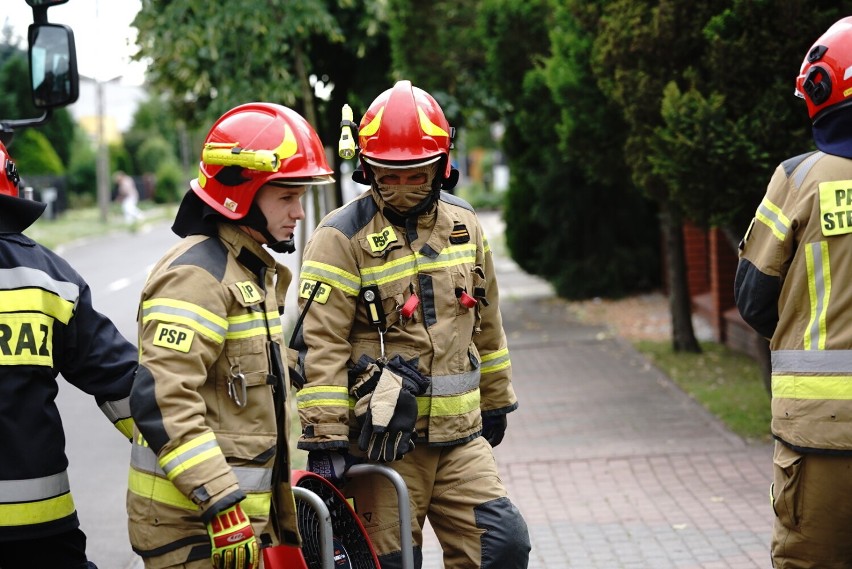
column 493, row 429
column 331, row 464
column 388, row 431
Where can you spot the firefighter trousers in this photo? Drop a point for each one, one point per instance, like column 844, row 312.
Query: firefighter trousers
column 813, row 510
column 459, row 490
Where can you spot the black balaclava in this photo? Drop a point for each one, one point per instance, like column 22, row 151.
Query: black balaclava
column 832, row 132
column 407, row 200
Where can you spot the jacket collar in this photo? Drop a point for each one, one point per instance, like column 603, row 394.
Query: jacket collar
column 16, row 214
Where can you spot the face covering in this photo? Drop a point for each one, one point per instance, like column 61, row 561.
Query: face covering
column 403, row 197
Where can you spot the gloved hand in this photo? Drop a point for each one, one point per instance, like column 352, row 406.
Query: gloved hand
column 388, row 430
column 330, row 464
column 493, row 429
column 232, row 539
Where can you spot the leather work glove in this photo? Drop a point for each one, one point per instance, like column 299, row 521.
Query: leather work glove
column 330, row 464
column 232, row 540
column 388, row 431
column 493, row 429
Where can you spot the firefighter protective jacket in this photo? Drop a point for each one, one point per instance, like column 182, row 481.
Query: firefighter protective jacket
column 792, row 286
column 48, row 326
column 210, row 382
column 442, row 258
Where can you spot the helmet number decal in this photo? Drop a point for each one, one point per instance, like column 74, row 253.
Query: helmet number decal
column 835, row 205
column 380, row 241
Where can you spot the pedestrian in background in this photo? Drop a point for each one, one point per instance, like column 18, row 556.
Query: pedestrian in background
column 792, row 287
column 404, row 354
column 210, row 467
column 48, row 327
column 128, row 196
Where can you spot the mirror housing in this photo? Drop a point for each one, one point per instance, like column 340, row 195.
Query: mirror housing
column 45, row 3
column 54, row 79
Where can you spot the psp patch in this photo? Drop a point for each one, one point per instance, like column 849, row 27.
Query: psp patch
column 381, row 240
column 173, row 337
column 459, row 234
column 250, row 292
column 835, row 205
column 307, row 287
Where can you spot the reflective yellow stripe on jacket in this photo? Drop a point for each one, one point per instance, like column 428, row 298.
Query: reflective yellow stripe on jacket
column 35, row 501
column 179, row 312
column 149, row 480
column 819, row 291
column 254, row 324
column 772, row 217
column 813, row 374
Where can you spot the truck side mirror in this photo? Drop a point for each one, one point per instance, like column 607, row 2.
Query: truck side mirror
column 54, row 79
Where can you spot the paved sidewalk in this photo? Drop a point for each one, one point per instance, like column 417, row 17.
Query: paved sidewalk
column 612, row 465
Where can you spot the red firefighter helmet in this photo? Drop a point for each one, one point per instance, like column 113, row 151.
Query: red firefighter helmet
column 825, row 79
column 16, row 213
column 256, row 144
column 405, row 127
column 9, row 177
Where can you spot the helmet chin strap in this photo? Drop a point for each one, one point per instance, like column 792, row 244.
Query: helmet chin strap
column 257, row 221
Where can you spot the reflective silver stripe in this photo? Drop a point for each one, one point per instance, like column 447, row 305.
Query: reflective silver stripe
column 347, row 282
column 34, row 489
column 815, row 361
column 186, row 456
column 184, row 313
column 455, row 384
column 804, row 168
column 819, row 285
column 22, row 277
column 779, row 227
column 115, row 410
column 339, row 394
column 250, row 479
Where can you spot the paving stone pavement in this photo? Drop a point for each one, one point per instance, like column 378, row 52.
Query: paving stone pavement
column 611, row 464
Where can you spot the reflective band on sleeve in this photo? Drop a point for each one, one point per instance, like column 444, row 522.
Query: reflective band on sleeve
column 323, row 396
column 837, row 387
column 331, row 275
column 178, row 312
column 495, row 361
column 819, row 290
column 115, row 410
column 770, row 215
column 190, row 454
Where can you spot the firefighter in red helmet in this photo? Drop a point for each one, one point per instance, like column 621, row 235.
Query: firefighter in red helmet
column 48, row 326
column 210, row 474
column 403, row 349
column 791, row 288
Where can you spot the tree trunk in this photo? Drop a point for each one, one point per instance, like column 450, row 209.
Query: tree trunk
column 680, row 303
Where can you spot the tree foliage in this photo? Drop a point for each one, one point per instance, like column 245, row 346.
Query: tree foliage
column 572, row 203
column 209, row 57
